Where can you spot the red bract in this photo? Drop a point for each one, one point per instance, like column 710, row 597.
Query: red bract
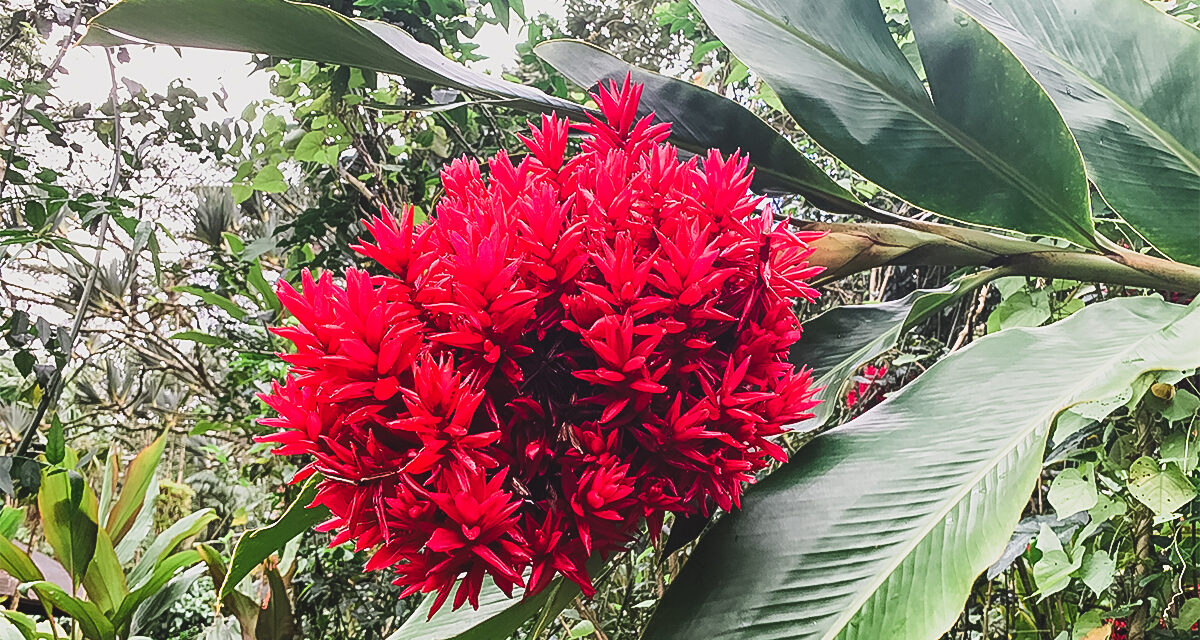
column 572, row 346
column 871, row 377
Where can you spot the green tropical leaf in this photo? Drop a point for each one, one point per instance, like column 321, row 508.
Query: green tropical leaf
column 214, row 299
column 202, row 338
column 836, row 343
column 104, row 580
column 16, row 563
column 168, row 541
column 703, row 120
column 1123, row 74
column 878, row 529
column 65, row 521
column 989, row 147
column 133, row 489
column 91, row 622
column 276, row 619
column 164, row 572
column 297, row 30
column 158, row 604
column 497, row 617
column 1162, row 490
column 258, row 545
column 233, row 602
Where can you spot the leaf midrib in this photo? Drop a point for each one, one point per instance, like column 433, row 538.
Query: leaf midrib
column 957, row 497
column 933, row 120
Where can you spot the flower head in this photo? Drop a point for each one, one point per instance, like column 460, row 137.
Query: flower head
column 574, row 344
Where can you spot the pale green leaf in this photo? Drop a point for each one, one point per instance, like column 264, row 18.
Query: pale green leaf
column 901, row 509
column 1162, row 490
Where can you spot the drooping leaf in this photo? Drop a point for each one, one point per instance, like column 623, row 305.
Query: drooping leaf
column 276, row 620
column 297, row 30
column 233, row 602
column 989, row 147
column 1123, row 74
column 878, row 528
column 258, row 545
column 91, row 622
column 158, row 604
column 16, row 563
column 215, row 299
column 133, row 489
column 703, row 120
column 497, row 617
column 1098, row 571
column 202, row 338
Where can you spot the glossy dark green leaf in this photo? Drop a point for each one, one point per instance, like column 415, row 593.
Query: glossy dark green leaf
column 55, row 442
column 879, row 528
column 298, row 30
column 276, row 621
column 988, row 147
column 258, row 545
column 1126, row 79
column 702, row 120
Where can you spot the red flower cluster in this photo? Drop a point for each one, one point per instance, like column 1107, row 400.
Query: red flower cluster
column 572, row 346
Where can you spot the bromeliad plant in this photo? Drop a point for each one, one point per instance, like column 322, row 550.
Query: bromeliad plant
column 874, row 529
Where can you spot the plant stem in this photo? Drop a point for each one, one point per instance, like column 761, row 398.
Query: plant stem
column 849, row 248
column 1143, row 527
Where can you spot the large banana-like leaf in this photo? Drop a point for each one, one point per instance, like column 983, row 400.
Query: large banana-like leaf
column 988, row 147
column 702, row 120
column 298, row 30
column 294, row 30
column 1127, row 80
column 878, row 528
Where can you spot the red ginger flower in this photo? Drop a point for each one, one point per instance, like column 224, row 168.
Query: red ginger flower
column 572, row 345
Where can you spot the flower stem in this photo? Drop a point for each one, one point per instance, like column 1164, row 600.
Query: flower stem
column 854, row 247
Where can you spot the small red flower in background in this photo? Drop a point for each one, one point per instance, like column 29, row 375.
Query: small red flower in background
column 572, row 345
column 870, row 378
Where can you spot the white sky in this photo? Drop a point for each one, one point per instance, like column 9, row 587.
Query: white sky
column 207, row 71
